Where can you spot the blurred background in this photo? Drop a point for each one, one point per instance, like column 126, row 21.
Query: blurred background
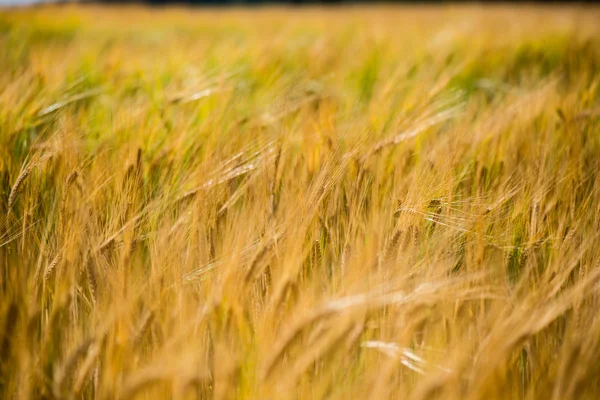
column 243, row 2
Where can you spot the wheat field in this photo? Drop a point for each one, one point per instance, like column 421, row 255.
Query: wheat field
column 300, row 203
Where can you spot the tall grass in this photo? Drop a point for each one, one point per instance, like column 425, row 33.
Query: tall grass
column 299, row 203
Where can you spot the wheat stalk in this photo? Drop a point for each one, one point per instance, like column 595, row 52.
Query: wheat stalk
column 17, row 186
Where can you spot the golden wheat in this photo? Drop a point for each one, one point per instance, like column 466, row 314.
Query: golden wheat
column 272, row 203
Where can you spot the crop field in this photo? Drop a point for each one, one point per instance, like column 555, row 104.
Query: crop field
column 358, row 202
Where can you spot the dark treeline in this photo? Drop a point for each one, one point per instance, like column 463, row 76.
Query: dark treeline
column 250, row 2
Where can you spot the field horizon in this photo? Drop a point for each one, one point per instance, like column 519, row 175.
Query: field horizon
column 304, row 203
